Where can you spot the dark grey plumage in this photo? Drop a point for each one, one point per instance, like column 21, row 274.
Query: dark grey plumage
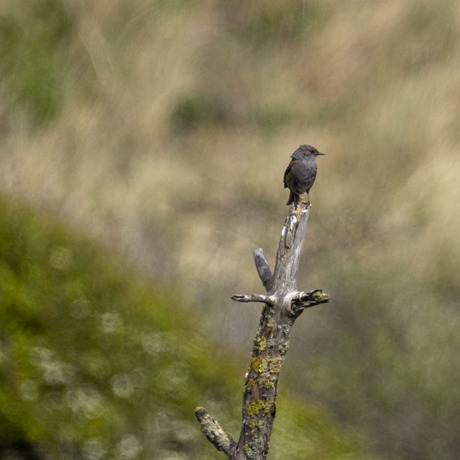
column 301, row 172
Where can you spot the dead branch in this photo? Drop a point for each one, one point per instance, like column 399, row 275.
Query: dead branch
column 282, row 306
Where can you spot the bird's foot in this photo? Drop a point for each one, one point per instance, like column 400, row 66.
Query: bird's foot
column 301, row 206
column 298, row 205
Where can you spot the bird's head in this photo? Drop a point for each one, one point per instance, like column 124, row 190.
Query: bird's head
column 306, row 151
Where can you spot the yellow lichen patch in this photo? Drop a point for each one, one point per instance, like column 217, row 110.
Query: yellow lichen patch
column 269, row 383
column 260, row 406
column 284, row 347
column 261, row 343
column 248, row 451
column 255, row 407
column 268, row 406
column 319, row 295
column 275, row 365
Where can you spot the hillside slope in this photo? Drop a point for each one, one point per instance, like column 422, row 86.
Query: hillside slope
column 96, row 364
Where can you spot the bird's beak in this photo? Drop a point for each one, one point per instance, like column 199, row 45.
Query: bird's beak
column 319, row 153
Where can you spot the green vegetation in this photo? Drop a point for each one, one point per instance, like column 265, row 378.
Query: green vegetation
column 95, row 364
column 30, row 40
column 160, row 130
column 93, row 361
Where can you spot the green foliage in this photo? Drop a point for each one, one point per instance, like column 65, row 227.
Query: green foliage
column 193, row 111
column 283, row 23
column 272, row 118
column 31, row 60
column 91, row 358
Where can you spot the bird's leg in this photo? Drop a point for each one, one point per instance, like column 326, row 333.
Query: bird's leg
column 303, row 198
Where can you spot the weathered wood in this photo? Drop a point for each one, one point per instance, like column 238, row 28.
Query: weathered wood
column 289, row 250
column 263, row 269
column 214, row 432
column 253, row 298
column 282, row 306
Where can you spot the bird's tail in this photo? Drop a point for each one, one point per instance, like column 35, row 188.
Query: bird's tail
column 292, row 197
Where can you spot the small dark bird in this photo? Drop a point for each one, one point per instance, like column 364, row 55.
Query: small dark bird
column 301, row 172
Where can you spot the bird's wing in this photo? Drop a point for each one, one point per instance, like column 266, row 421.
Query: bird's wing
column 288, row 170
column 311, row 178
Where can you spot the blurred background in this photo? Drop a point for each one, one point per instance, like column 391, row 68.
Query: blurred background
column 142, row 151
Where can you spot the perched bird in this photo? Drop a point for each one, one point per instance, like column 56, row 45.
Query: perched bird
column 301, row 172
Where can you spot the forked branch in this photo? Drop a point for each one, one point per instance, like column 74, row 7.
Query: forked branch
column 281, row 307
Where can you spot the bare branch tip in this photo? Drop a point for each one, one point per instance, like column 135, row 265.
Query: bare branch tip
column 214, row 432
column 246, row 298
column 307, row 299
